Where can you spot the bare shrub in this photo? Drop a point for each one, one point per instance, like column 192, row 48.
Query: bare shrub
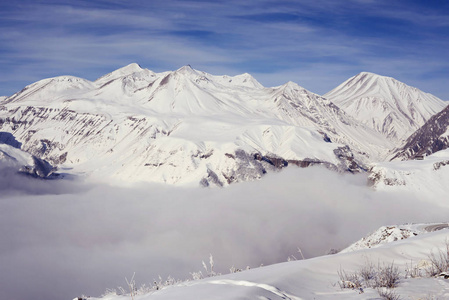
column 439, row 262
column 388, row 294
column 412, row 271
column 210, row 270
column 291, row 258
column 349, row 280
column 109, row 292
column 158, row 284
column 367, row 272
column 388, row 276
column 132, row 286
column 197, row 275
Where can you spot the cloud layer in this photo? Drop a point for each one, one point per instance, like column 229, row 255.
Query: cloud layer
column 71, row 243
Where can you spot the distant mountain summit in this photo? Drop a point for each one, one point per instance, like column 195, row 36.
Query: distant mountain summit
column 385, row 104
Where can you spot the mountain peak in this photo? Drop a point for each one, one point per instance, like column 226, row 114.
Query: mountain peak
column 247, row 80
column 132, row 67
column 373, row 76
column 187, row 69
column 121, row 72
column 365, row 73
column 385, row 104
column 290, row 85
column 128, row 69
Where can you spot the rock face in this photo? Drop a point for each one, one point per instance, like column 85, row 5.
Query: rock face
column 15, row 160
column 183, row 127
column 433, row 136
column 390, row 107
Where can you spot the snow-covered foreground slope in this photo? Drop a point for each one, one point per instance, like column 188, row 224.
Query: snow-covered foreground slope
column 183, row 127
column 318, row 278
column 388, row 106
column 426, row 177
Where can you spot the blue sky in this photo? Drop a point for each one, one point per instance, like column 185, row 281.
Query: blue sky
column 315, row 43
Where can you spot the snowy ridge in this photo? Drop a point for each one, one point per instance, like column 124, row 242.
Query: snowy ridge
column 184, row 127
column 46, row 90
column 430, row 138
column 390, row 107
column 428, row 176
column 393, row 233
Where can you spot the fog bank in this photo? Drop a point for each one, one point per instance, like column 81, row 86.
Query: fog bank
column 68, row 238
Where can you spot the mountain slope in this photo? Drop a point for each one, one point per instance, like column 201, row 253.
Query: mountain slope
column 423, row 177
column 433, row 136
column 390, row 107
column 183, row 127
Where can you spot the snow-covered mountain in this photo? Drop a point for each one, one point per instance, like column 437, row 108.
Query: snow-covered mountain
column 183, row 127
column 433, row 136
column 390, row 107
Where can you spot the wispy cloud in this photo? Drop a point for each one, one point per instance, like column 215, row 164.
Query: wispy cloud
column 87, row 39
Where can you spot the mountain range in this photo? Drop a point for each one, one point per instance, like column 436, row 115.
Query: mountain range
column 188, row 127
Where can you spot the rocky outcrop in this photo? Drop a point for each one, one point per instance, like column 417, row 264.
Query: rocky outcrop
column 15, row 160
column 433, row 136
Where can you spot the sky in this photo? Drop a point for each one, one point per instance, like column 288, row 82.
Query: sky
column 63, row 239
column 315, row 43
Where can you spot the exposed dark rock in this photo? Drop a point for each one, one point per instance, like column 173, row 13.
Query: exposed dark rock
column 429, row 139
column 307, row 162
column 42, row 168
column 212, row 178
column 165, row 80
column 347, row 161
column 9, row 139
column 230, row 155
column 326, row 138
column 438, row 165
column 276, row 162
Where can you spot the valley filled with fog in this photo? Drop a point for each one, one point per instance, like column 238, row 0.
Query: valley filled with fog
column 65, row 238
